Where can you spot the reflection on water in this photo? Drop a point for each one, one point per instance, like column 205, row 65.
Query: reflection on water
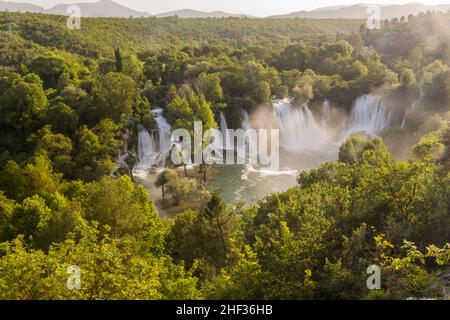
column 246, row 183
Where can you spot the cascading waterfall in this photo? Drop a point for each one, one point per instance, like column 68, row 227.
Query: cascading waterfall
column 413, row 106
column 122, row 156
column 153, row 148
column 299, row 130
column 368, row 115
column 326, row 114
column 147, row 151
column 164, row 131
column 246, row 125
column 227, row 138
column 245, row 120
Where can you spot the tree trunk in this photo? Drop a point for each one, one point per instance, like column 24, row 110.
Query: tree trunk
column 222, row 240
column 130, row 173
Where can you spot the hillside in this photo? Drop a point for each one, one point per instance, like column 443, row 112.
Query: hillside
column 99, row 35
column 17, row 6
column 189, row 13
column 359, row 11
column 101, row 8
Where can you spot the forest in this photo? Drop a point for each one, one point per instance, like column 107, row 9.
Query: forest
column 71, row 101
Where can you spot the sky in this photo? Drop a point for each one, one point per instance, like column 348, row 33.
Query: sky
column 258, row 8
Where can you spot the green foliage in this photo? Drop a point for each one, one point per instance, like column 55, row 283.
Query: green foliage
column 50, row 68
column 70, row 101
column 204, row 235
column 119, row 62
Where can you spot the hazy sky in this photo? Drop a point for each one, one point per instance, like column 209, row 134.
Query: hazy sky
column 251, row 7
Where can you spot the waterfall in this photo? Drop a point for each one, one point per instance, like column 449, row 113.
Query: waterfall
column 228, row 140
column 146, row 148
column 245, row 120
column 153, row 148
column 164, row 131
column 246, row 125
column 299, row 130
column 123, row 155
column 368, row 115
column 413, row 106
column 326, row 114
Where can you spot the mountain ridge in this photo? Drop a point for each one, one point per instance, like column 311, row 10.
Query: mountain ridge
column 109, row 8
column 360, row 11
column 190, row 13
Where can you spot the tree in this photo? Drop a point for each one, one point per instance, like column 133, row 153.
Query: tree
column 295, row 57
column 209, row 86
column 163, row 179
column 179, row 188
column 115, row 97
column 95, row 152
column 356, row 71
column 57, row 148
column 416, row 58
column 63, row 119
column 358, row 149
column 133, row 67
column 119, row 62
column 439, row 91
column 109, row 270
column 50, row 67
column 23, row 105
column 122, row 207
column 184, row 112
column 204, row 235
column 34, row 178
column 408, row 79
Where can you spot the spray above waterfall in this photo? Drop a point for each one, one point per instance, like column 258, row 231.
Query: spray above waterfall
column 299, row 129
column 326, row 114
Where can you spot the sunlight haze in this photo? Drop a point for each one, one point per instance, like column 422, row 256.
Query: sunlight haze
column 259, row 8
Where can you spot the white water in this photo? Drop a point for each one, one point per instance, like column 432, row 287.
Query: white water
column 413, row 106
column 122, row 156
column 299, row 130
column 326, row 114
column 369, row 115
column 245, row 120
column 264, row 172
column 164, row 131
column 153, row 148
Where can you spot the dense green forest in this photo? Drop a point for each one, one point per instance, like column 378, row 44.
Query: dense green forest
column 71, row 99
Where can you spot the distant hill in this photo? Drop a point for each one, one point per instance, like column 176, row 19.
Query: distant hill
column 101, row 8
column 359, row 11
column 189, row 13
column 109, row 8
column 22, row 7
